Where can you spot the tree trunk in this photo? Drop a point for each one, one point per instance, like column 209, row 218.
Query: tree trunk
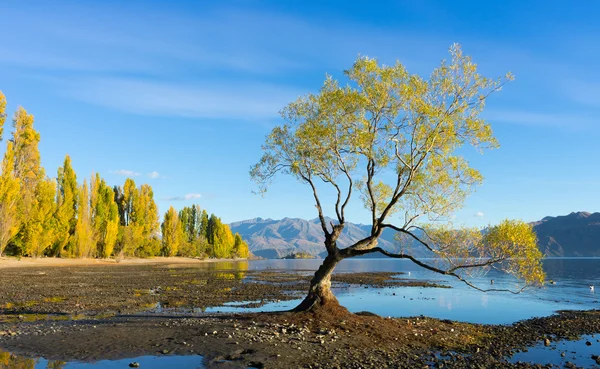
column 319, row 294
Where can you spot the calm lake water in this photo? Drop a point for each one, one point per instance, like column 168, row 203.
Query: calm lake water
column 9, row 361
column 578, row 352
column 573, row 276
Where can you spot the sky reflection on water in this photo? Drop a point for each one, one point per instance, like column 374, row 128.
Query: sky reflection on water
column 11, row 361
column 576, row 352
column 571, row 291
column 573, row 276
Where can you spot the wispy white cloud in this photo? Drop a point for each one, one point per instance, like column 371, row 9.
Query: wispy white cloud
column 479, row 214
column 154, row 175
column 223, row 39
column 125, row 172
column 223, row 100
column 189, row 196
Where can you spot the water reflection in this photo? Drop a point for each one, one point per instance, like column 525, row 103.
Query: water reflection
column 578, row 352
column 217, row 265
column 11, row 361
column 573, row 276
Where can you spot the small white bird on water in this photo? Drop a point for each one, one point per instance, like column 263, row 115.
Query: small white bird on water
column 592, row 288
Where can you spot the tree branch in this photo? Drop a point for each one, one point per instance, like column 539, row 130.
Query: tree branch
column 355, row 252
column 402, row 230
column 318, row 204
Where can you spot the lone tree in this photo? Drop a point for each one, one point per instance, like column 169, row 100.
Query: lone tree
column 393, row 137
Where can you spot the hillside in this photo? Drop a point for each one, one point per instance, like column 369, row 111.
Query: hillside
column 270, row 238
column 576, row 234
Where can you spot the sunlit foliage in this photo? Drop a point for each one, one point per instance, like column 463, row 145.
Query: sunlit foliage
column 9, row 199
column 172, row 233
column 66, row 212
column 394, row 137
column 41, row 216
column 192, row 233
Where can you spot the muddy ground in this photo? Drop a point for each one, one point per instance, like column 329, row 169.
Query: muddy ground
column 80, row 291
column 101, row 312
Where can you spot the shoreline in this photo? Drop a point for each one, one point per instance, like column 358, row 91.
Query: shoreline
column 327, row 339
column 14, row 262
column 89, row 310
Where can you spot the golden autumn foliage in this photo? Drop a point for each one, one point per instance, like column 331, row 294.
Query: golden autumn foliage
column 172, row 233
column 41, row 230
column 9, row 199
column 10, row 361
column 192, row 233
column 397, row 138
column 66, row 202
column 84, row 237
column 59, row 217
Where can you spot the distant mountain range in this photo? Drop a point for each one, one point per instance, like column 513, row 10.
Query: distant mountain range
column 576, row 234
column 269, row 238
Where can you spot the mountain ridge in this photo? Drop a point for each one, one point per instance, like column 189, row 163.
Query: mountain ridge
column 271, row 238
column 574, row 234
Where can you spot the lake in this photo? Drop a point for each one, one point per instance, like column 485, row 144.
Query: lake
column 571, row 291
column 572, row 277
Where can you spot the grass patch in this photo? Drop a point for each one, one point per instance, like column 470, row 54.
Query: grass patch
column 138, row 293
column 55, row 299
column 31, row 318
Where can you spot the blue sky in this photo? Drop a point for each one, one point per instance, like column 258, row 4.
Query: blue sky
column 180, row 94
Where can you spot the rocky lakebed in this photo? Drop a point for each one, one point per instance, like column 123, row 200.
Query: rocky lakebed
column 109, row 312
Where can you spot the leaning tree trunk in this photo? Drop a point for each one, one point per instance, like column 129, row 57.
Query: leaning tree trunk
column 319, row 293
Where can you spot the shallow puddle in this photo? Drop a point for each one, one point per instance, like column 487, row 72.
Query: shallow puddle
column 558, row 353
column 11, row 361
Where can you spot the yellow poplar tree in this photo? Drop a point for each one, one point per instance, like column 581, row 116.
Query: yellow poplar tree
column 41, row 231
column 221, row 238
column 9, row 189
column 105, row 216
column 140, row 223
column 9, row 199
column 84, row 233
column 172, row 233
column 240, row 247
column 28, row 171
column 146, row 212
column 27, row 157
column 66, row 212
column 129, row 233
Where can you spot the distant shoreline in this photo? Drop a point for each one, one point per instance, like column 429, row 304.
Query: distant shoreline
column 13, row 262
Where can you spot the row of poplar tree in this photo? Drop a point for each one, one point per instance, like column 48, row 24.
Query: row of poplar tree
column 58, row 216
